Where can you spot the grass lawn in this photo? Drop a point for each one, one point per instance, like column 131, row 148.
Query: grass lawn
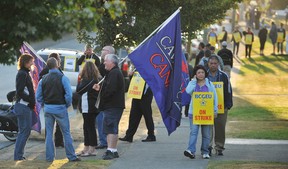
column 245, row 165
column 260, row 93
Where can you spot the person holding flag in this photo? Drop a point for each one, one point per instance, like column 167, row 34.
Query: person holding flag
column 25, row 103
column 200, row 83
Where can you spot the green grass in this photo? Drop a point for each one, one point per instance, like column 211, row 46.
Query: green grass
column 260, row 99
column 245, row 165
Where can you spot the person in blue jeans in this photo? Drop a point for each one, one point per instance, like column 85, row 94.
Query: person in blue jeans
column 24, row 104
column 102, row 136
column 54, row 91
column 199, row 83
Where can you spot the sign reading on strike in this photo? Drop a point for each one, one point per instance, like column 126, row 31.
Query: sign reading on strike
column 136, row 87
column 220, row 96
column 203, row 109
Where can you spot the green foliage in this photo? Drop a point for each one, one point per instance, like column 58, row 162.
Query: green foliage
column 33, row 20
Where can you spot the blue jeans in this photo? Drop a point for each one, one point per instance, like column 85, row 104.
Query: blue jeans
column 205, row 130
column 24, row 117
column 63, row 121
column 99, row 123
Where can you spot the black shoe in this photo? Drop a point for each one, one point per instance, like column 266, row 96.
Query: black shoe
column 116, row 155
column 126, row 139
column 149, row 139
column 188, row 153
column 220, row 153
column 100, row 147
column 76, row 159
column 210, row 151
column 108, row 155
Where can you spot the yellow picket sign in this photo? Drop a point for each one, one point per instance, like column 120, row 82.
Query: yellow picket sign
column 136, row 86
column 280, row 37
column 212, row 40
column 220, row 95
column 248, row 39
column 87, row 60
column 221, row 36
column 237, row 37
column 70, row 63
column 203, row 109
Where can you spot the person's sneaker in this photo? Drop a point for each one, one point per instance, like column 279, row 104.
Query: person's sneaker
column 101, row 147
column 116, row 155
column 220, row 153
column 126, row 139
column 76, row 159
column 210, row 151
column 149, row 139
column 108, row 155
column 189, row 154
column 206, row 156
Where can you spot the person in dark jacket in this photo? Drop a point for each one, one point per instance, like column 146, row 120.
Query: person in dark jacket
column 249, row 39
column 227, row 57
column 262, row 37
column 58, row 137
column 89, row 76
column 200, row 55
column 273, row 36
column 216, row 75
column 111, row 103
column 24, row 104
column 89, row 55
column 280, row 38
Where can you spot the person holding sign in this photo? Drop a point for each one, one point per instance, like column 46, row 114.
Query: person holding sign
column 222, row 36
column 249, row 39
column 236, row 39
column 273, row 36
column 216, row 75
column 200, row 85
column 212, row 37
column 280, row 38
column 140, row 107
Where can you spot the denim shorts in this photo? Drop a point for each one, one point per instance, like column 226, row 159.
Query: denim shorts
column 111, row 120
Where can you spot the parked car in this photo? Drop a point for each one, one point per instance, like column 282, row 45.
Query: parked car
column 69, row 65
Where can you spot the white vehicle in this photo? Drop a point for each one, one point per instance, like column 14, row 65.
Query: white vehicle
column 69, row 65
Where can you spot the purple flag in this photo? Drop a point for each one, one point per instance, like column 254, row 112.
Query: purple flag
column 34, row 73
column 159, row 61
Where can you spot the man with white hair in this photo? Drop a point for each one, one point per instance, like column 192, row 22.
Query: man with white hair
column 112, row 103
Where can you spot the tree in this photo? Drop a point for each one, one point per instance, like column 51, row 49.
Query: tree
column 34, row 20
column 149, row 14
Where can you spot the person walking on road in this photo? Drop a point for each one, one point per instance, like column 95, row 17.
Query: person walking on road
column 111, row 103
column 236, row 39
column 212, row 37
column 54, row 92
column 89, row 76
column 227, row 57
column 249, row 39
column 273, row 36
column 262, row 37
column 58, row 137
column 141, row 107
column 215, row 75
column 199, row 83
column 24, row 104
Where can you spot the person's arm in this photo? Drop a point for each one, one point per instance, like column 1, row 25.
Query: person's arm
column 215, row 99
column 81, row 59
column 84, row 86
column 191, row 86
column 39, row 94
column 68, row 91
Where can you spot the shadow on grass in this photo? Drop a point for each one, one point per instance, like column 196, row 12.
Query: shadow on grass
column 246, row 120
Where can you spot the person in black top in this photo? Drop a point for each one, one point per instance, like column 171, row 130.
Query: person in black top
column 58, row 137
column 280, row 43
column 24, row 104
column 200, row 54
column 89, row 55
column 227, row 57
column 262, row 37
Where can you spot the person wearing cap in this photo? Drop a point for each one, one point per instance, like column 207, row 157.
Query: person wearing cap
column 227, row 57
